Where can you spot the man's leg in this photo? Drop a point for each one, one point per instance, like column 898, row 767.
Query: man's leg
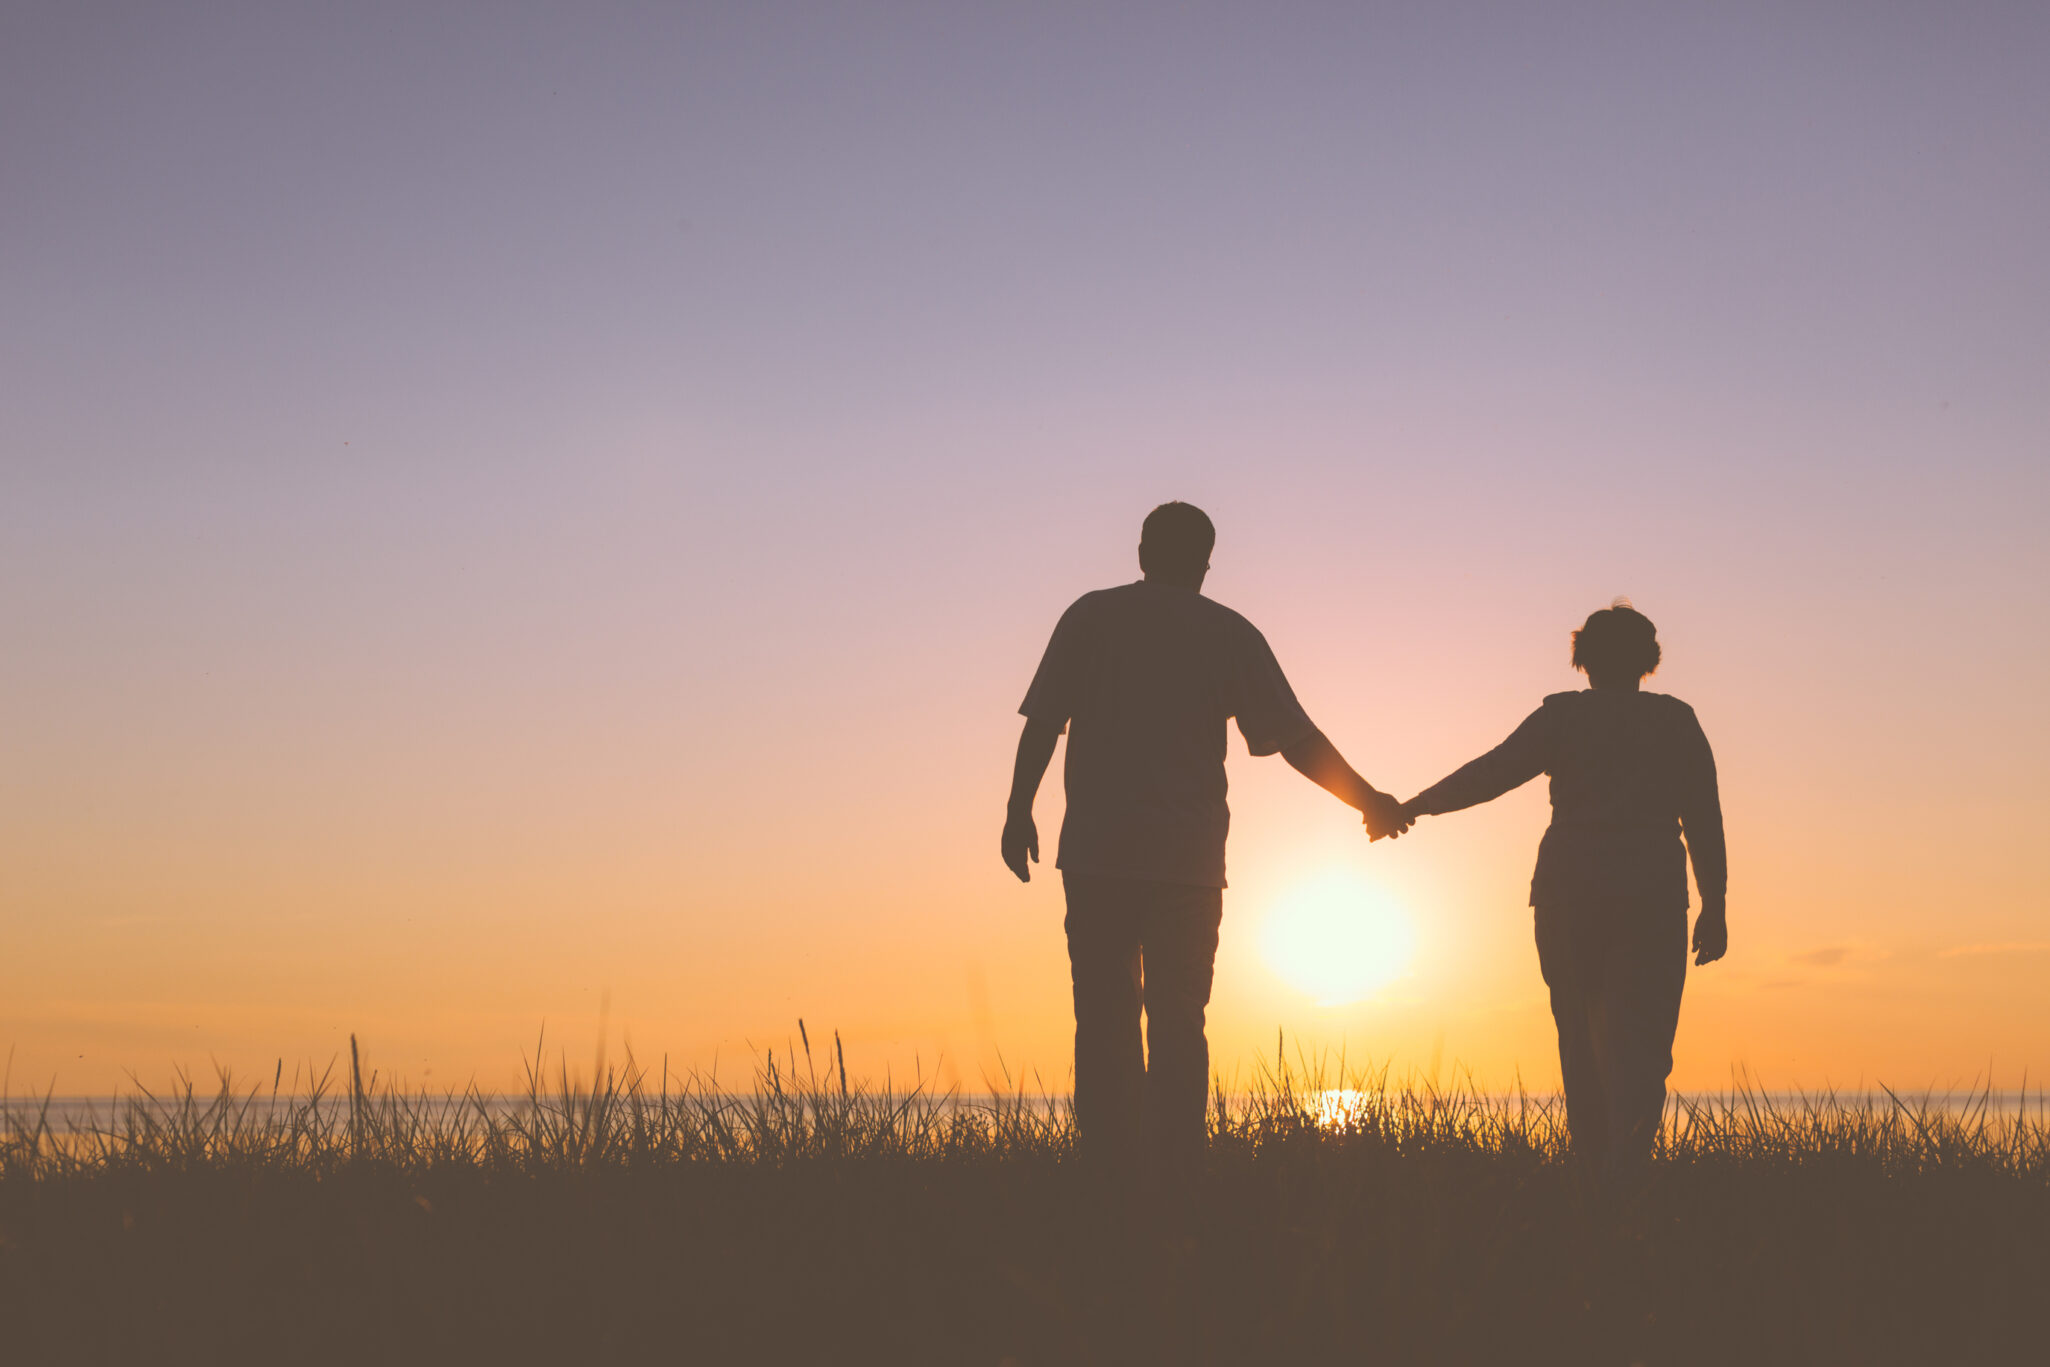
column 1180, row 945
column 1110, row 1063
column 1562, row 958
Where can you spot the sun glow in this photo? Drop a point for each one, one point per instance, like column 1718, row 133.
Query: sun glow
column 1338, row 938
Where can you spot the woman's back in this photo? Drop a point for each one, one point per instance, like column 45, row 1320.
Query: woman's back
column 1630, row 770
column 1620, row 759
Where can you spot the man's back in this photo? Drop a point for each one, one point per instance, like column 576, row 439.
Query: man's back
column 1145, row 675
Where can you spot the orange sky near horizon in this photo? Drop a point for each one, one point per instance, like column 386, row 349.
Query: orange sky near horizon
column 272, row 845
column 577, row 542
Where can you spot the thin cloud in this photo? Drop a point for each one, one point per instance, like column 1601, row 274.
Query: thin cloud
column 2004, row 947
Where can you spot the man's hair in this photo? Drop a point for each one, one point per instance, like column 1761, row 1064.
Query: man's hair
column 1176, row 539
column 1617, row 641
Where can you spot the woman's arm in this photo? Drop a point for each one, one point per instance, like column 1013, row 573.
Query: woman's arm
column 1513, row 763
column 1701, row 819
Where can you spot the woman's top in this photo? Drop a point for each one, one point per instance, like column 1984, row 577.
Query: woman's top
column 1630, row 772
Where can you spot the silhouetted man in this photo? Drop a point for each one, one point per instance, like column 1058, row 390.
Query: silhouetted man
column 1143, row 678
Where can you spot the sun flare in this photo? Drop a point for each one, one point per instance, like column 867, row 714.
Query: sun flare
column 1338, row 938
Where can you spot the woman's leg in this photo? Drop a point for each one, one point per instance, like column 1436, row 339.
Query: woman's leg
column 1644, row 975
column 1574, row 977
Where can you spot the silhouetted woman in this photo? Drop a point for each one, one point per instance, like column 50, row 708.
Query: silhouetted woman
column 1631, row 771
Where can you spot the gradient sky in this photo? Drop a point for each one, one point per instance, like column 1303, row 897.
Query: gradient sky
column 504, row 509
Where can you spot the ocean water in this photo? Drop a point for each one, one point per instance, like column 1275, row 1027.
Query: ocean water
column 1331, row 1106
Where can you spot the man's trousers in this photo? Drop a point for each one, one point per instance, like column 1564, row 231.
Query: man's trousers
column 1133, row 946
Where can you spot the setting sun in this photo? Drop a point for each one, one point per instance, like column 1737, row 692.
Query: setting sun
column 1338, row 938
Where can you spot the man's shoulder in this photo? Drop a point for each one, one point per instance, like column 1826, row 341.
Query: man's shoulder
column 1140, row 596
column 1092, row 603
column 1227, row 619
column 1570, row 698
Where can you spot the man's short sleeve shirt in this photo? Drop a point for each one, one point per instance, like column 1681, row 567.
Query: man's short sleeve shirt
column 1144, row 677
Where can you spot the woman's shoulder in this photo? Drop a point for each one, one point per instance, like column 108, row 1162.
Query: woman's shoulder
column 1579, row 696
column 1595, row 705
column 1674, row 716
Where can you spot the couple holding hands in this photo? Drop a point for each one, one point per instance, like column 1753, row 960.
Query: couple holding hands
column 1143, row 678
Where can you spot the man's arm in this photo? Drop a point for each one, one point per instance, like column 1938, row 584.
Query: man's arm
column 1021, row 837
column 1318, row 760
column 1272, row 720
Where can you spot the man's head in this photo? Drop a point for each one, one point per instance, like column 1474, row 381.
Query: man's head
column 1617, row 647
column 1174, row 545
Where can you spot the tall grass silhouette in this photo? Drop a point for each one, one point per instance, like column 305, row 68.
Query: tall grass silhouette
column 1345, row 1213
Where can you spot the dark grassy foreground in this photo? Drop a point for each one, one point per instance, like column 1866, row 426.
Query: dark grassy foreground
column 814, row 1222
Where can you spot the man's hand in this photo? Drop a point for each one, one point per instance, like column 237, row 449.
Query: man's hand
column 1386, row 817
column 1711, row 935
column 1021, row 838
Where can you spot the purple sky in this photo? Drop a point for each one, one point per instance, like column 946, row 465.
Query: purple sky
column 429, row 400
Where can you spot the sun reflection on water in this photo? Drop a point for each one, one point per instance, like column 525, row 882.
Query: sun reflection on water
column 1338, row 1107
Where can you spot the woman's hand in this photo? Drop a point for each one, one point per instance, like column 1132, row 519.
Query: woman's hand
column 1385, row 817
column 1711, row 935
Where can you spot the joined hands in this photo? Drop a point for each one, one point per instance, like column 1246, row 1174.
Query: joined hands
column 1386, row 817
